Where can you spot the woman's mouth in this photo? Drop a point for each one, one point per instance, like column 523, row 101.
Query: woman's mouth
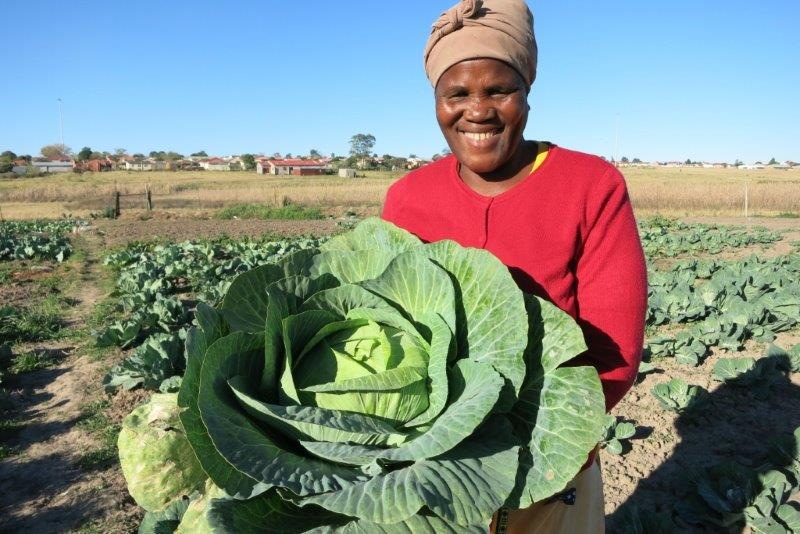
column 479, row 136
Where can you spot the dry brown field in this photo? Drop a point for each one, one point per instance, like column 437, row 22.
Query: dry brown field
column 676, row 192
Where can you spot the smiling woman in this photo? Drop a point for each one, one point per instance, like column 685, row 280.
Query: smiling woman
column 560, row 220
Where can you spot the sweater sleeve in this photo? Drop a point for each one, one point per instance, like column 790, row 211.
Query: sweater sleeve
column 391, row 205
column 612, row 287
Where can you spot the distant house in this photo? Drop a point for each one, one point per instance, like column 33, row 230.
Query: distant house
column 347, row 173
column 415, row 163
column 139, row 165
column 215, row 164
column 96, row 165
column 46, row 165
column 296, row 167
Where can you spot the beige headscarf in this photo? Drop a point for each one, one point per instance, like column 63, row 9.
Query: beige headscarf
column 472, row 29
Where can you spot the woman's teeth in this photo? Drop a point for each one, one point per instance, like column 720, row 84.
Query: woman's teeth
column 479, row 136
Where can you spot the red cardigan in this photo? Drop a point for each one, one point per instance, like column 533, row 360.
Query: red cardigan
column 566, row 232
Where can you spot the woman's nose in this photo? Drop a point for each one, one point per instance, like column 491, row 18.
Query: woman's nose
column 479, row 109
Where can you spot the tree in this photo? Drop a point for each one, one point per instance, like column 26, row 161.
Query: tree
column 446, row 151
column 249, row 162
column 7, row 155
column 412, row 156
column 361, row 145
column 636, row 160
column 85, row 154
column 138, row 156
column 773, row 161
column 737, row 163
column 56, row 151
column 687, row 162
column 314, row 153
column 624, row 159
column 201, row 154
column 288, row 155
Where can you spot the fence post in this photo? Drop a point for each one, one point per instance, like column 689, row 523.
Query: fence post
column 746, row 199
column 149, row 198
column 116, row 204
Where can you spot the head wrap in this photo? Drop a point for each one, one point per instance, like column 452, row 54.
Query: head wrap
column 472, row 29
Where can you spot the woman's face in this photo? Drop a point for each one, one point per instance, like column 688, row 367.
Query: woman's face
column 482, row 108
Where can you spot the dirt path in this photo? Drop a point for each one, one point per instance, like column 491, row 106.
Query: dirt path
column 53, row 485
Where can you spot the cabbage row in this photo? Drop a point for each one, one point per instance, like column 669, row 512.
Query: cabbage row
column 156, row 286
column 726, row 303
column 662, row 237
column 376, row 384
column 46, row 240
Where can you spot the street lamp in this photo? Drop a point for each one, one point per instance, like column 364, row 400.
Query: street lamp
column 61, row 123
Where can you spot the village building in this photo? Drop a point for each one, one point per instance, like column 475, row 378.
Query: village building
column 47, row 165
column 215, row 164
column 139, row 165
column 296, row 167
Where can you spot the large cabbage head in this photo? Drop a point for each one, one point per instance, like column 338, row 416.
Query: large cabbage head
column 157, row 461
column 383, row 384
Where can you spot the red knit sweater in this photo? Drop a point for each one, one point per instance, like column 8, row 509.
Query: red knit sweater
column 566, row 232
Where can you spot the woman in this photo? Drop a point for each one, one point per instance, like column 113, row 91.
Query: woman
column 559, row 219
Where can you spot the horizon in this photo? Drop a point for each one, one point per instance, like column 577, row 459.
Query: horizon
column 695, row 82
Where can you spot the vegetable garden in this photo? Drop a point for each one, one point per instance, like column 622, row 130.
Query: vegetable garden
column 359, row 384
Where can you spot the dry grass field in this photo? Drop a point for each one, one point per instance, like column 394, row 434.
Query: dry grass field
column 668, row 191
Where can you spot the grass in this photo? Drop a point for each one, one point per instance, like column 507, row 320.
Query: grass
column 5, row 273
column 263, row 212
column 98, row 424
column 40, row 321
column 7, row 451
column 27, row 362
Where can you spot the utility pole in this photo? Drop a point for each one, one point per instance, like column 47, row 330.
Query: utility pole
column 61, row 123
column 616, row 142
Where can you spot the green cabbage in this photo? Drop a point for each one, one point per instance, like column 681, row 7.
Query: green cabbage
column 157, row 461
column 380, row 384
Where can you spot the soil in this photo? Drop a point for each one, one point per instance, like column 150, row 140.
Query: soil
column 45, row 488
column 734, row 424
column 120, row 232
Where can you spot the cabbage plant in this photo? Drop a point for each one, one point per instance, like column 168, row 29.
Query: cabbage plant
column 380, row 384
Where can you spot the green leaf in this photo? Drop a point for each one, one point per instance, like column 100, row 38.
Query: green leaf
column 218, row 468
column 352, row 266
column 340, row 300
column 416, row 287
column 475, row 389
column 678, row 396
column 554, row 337
column 245, row 303
column 388, row 380
column 624, row 431
column 211, row 322
column 614, row 446
column 477, row 475
column 245, row 445
column 568, row 408
column 165, row 521
column 298, row 330
column 319, row 424
column 268, row 513
column 438, row 355
column 423, row 523
column 374, row 234
column 491, row 321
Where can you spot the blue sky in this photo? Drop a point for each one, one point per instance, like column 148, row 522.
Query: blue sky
column 713, row 80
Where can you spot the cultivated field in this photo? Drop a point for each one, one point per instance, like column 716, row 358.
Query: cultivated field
column 670, row 191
